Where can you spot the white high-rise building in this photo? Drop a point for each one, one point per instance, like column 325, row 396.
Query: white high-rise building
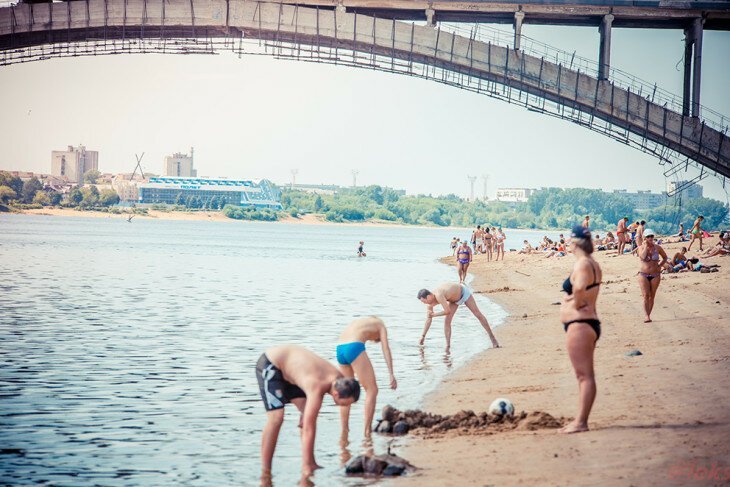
column 180, row 165
column 692, row 192
column 72, row 163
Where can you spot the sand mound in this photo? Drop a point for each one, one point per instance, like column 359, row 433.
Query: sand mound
column 400, row 422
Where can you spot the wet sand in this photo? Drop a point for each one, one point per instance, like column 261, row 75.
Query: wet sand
column 662, row 418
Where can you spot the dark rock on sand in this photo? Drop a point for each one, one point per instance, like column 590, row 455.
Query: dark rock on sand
column 384, row 427
column 388, row 413
column 374, row 465
column 634, row 353
column 390, row 465
column 355, row 465
column 401, row 428
column 424, row 422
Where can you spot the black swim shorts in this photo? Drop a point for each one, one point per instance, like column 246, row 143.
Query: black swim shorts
column 275, row 391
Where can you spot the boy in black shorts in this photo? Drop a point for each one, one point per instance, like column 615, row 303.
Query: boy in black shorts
column 293, row 374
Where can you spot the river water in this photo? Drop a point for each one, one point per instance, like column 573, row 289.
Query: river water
column 128, row 349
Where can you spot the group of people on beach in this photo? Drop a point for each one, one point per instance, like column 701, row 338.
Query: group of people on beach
column 578, row 308
column 293, row 374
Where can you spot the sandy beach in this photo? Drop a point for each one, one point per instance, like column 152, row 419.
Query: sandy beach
column 662, row 418
column 309, row 219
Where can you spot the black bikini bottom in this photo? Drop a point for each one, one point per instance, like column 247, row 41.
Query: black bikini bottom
column 595, row 324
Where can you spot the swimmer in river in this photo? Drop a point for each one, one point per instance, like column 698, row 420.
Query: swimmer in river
column 354, row 362
column 450, row 296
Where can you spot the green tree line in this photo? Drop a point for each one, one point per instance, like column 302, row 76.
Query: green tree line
column 551, row 208
column 14, row 191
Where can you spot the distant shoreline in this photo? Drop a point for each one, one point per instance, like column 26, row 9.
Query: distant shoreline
column 309, row 219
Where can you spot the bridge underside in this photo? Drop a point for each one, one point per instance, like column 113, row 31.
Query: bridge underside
column 629, row 14
column 643, row 119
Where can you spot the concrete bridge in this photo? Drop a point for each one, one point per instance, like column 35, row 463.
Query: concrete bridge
column 594, row 96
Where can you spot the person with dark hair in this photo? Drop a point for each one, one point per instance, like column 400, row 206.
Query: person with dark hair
column 650, row 270
column 580, row 322
column 293, row 374
column 622, row 234
column 696, row 232
column 587, row 222
column 487, row 241
column 450, row 296
column 354, row 362
column 464, row 257
column 476, row 237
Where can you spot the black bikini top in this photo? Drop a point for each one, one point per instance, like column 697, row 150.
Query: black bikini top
column 568, row 286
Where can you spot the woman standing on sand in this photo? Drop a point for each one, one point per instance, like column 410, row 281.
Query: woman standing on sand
column 463, row 259
column 650, row 270
column 487, row 243
column 501, row 237
column 580, row 321
column 696, row 232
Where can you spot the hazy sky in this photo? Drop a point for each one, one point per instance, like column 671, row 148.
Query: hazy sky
column 258, row 117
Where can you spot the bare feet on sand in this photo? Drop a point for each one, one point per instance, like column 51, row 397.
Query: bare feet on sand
column 573, row 427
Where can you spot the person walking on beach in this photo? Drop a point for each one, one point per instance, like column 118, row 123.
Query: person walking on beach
column 293, row 374
column 696, row 232
column 450, row 296
column 580, row 322
column 622, row 234
column 354, row 362
column 501, row 237
column 463, row 259
column 650, row 270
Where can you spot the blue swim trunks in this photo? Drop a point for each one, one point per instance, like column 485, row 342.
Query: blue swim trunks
column 348, row 352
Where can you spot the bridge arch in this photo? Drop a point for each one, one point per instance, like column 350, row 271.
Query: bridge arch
column 651, row 123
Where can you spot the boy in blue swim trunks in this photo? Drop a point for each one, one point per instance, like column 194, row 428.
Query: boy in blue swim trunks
column 354, row 362
column 450, row 296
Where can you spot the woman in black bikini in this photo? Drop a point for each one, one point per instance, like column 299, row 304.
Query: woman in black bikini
column 580, row 321
column 650, row 270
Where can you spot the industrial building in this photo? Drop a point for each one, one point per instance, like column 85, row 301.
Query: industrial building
column 239, row 192
column 73, row 163
column 180, row 165
column 514, row 195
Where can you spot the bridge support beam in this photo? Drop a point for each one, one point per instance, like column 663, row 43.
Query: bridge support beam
column 519, row 17
column 604, row 52
column 692, row 69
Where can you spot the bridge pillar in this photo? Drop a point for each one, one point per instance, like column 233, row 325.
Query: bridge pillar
column 430, row 13
column 692, row 69
column 697, row 67
column 519, row 17
column 604, row 52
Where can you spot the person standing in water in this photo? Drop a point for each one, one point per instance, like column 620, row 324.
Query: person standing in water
column 354, row 362
column 580, row 322
column 361, row 249
column 463, row 259
column 450, row 296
